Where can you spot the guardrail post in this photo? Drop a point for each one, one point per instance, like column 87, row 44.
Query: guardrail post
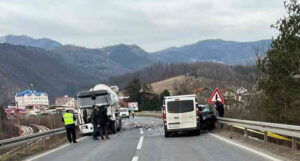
column 231, row 131
column 246, row 132
column 44, row 144
column 266, row 137
column 294, row 144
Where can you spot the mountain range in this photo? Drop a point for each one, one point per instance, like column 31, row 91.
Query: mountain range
column 215, row 50
column 63, row 69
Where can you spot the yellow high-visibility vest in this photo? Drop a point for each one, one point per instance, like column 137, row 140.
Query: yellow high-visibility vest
column 68, row 118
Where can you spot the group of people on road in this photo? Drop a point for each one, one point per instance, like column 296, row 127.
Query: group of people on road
column 100, row 118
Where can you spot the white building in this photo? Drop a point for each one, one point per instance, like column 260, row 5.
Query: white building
column 32, row 100
column 241, row 92
column 65, row 102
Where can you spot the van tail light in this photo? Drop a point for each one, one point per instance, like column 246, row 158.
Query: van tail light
column 197, row 112
column 164, row 114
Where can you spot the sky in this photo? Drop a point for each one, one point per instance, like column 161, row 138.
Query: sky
column 151, row 24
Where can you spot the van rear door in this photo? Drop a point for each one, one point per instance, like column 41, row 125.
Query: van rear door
column 181, row 114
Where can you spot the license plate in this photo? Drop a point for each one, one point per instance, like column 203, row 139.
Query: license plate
column 174, row 126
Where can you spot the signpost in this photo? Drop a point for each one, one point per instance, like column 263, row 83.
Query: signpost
column 216, row 96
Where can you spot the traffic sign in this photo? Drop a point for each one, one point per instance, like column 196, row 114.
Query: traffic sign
column 216, row 96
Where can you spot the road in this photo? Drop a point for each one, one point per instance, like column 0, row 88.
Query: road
column 26, row 130
column 41, row 128
column 142, row 139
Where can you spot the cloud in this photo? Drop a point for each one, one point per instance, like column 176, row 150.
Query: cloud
column 152, row 24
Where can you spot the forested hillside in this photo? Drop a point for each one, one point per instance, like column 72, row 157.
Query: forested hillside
column 24, row 67
column 215, row 71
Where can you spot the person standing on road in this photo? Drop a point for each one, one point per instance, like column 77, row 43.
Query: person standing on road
column 103, row 121
column 95, row 121
column 132, row 113
column 220, row 109
column 85, row 120
column 69, row 120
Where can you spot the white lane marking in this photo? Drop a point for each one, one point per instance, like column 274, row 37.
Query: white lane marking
column 135, row 158
column 141, row 131
column 139, row 146
column 246, row 148
column 53, row 150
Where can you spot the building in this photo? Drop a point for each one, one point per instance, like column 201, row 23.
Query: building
column 228, row 94
column 32, row 101
column 241, row 94
column 65, row 102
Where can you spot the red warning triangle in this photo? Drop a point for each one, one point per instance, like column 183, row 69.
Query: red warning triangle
column 216, row 96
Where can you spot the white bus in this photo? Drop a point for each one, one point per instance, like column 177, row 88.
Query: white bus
column 180, row 113
column 101, row 96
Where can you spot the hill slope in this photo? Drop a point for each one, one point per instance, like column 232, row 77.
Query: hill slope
column 43, row 43
column 92, row 62
column 129, row 56
column 21, row 66
column 227, row 52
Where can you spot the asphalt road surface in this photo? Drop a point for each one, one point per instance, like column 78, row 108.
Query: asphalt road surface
column 142, row 139
column 26, row 130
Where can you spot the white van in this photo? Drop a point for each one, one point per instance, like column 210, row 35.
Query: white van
column 180, row 113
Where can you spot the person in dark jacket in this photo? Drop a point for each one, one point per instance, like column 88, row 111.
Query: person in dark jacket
column 103, row 121
column 95, row 121
column 220, row 109
column 69, row 121
column 85, row 119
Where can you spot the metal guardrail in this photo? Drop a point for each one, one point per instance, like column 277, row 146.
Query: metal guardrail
column 12, row 142
column 292, row 131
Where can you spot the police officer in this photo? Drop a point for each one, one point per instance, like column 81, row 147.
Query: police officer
column 103, row 121
column 69, row 120
column 95, row 121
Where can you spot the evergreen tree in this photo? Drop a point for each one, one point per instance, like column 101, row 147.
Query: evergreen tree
column 147, row 87
column 163, row 94
column 133, row 90
column 283, row 59
column 2, row 119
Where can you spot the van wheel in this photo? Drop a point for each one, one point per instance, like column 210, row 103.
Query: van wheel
column 197, row 132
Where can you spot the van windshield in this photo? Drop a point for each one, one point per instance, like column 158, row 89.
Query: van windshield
column 123, row 110
column 180, row 106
